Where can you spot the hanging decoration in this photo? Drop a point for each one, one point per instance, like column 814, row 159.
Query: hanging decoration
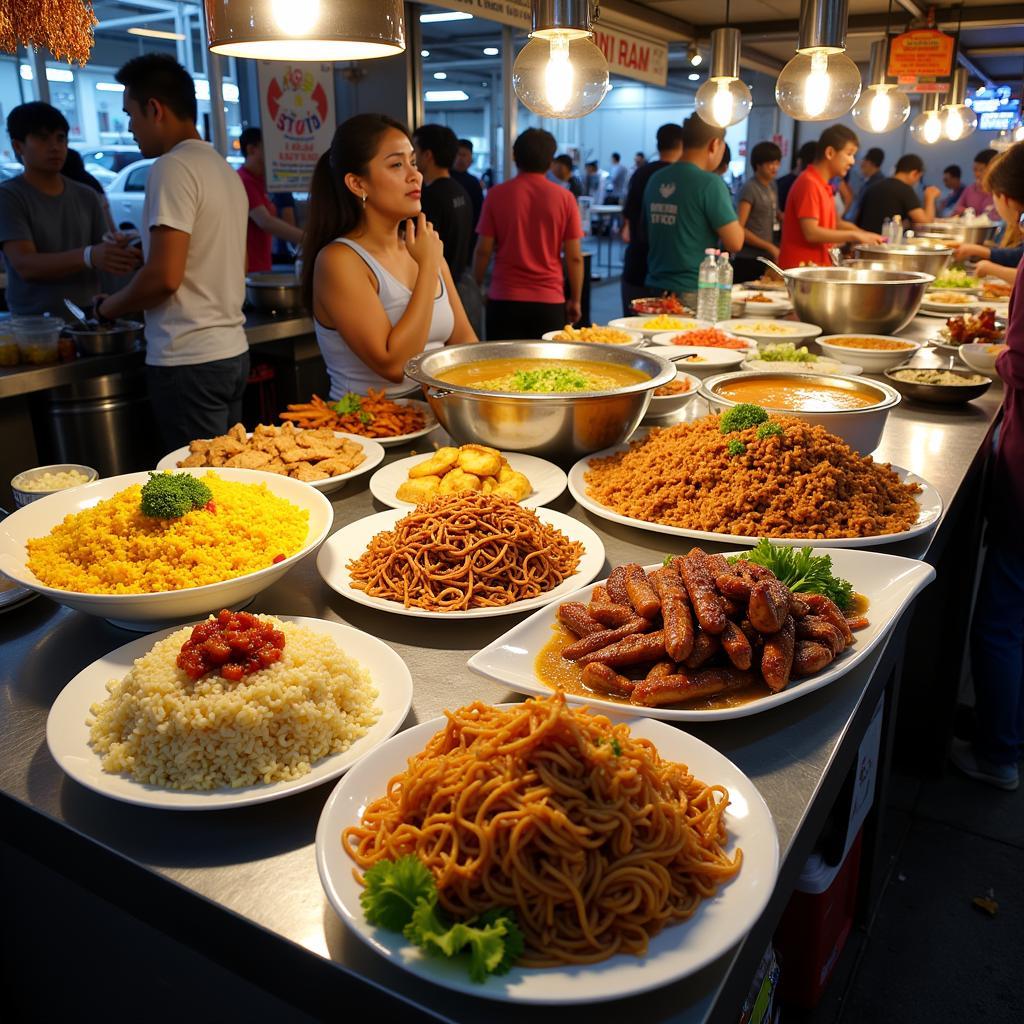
column 560, row 72
column 724, row 99
column 927, row 126
column 63, row 27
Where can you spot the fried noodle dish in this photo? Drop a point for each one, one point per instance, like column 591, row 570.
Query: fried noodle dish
column 593, row 838
column 465, row 550
column 785, row 478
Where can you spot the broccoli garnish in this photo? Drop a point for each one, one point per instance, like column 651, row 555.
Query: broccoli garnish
column 741, row 417
column 171, row 495
column 767, row 430
column 736, row 447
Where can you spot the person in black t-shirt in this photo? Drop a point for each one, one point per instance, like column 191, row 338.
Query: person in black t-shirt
column 470, row 182
column 897, row 196
column 449, row 208
column 634, row 230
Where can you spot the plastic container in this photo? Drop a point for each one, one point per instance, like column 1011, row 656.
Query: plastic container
column 38, row 338
column 815, row 927
column 724, row 287
column 8, row 348
column 707, row 288
column 24, row 485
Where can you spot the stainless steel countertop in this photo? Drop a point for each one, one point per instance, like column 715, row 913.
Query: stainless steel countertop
column 258, row 863
column 23, row 380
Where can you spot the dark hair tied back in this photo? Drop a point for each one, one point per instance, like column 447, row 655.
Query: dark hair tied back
column 333, row 209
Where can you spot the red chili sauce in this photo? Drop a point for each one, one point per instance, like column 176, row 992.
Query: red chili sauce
column 234, row 644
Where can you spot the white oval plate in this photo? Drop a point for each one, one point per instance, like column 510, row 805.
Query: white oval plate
column 352, row 540
column 636, row 338
column 429, row 424
column 548, row 480
column 373, row 455
column 674, row 953
column 677, row 339
column 636, row 323
column 67, row 735
column 929, row 502
column 714, row 360
column 777, row 306
column 889, row 581
column 948, row 308
column 768, row 330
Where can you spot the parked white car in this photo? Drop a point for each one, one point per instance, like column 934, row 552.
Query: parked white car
column 126, row 194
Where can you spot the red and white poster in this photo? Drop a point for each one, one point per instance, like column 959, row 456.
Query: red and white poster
column 298, row 119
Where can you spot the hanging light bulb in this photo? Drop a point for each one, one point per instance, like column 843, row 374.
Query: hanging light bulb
column 820, row 83
column 927, row 126
column 882, row 107
column 723, row 99
column 693, row 55
column 958, row 120
column 316, row 30
column 560, row 72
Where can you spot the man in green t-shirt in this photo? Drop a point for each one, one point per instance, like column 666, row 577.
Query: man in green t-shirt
column 687, row 209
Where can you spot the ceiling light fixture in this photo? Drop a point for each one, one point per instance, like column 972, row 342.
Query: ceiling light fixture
column 723, row 99
column 882, row 107
column 927, row 126
column 299, row 30
column 694, row 76
column 491, row 51
column 440, row 75
column 445, row 95
column 958, row 120
column 820, row 83
column 430, row 19
column 694, row 56
column 560, row 72
column 152, row 33
column 424, row 53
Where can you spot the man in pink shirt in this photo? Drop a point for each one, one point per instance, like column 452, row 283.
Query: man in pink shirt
column 526, row 224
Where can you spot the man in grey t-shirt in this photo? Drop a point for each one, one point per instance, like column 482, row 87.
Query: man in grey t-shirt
column 51, row 228
column 758, row 213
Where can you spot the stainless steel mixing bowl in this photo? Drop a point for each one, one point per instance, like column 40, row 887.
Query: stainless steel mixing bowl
column 920, row 254
column 952, row 229
column 273, row 292
column 564, row 427
column 847, row 300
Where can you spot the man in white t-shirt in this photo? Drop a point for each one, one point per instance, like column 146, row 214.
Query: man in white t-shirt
column 192, row 283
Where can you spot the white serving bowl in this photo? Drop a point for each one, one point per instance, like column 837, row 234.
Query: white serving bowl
column 713, row 360
column 146, row 612
column 978, row 357
column 763, row 330
column 874, row 360
column 636, row 338
column 637, row 323
column 665, row 405
column 822, row 365
column 860, row 428
column 24, row 497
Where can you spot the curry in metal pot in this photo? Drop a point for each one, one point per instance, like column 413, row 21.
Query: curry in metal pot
column 796, row 394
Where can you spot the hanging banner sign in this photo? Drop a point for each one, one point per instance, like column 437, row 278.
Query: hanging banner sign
column 297, row 118
column 627, row 54
column 922, row 53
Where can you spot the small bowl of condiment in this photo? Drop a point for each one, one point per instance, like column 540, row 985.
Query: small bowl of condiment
column 853, row 408
column 671, row 397
column 875, row 352
column 982, row 356
column 33, row 484
column 943, row 387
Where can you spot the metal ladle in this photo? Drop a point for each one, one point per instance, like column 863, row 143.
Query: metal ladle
column 79, row 314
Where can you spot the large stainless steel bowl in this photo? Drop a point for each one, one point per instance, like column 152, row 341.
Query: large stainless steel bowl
column 846, row 300
column 273, row 293
column 920, row 254
column 860, row 428
column 558, row 426
column 955, row 230
column 107, row 339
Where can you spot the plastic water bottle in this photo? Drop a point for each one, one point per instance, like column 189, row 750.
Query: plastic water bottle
column 724, row 286
column 886, row 231
column 707, row 288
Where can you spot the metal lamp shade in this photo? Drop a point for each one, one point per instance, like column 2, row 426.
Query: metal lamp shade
column 314, row 30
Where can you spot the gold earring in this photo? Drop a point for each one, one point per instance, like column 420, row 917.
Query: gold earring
column 364, row 199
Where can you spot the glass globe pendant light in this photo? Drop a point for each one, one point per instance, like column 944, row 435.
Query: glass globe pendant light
column 882, row 107
column 958, row 120
column 927, row 127
column 723, row 99
column 560, row 72
column 820, row 83
column 293, row 30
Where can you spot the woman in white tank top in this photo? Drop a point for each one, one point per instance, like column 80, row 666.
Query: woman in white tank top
column 374, row 273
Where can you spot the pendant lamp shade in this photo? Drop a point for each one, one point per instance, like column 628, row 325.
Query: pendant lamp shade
column 314, row 30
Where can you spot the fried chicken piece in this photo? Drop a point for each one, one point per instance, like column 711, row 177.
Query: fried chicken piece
column 195, row 459
column 248, row 460
column 338, row 465
column 308, row 474
column 238, row 432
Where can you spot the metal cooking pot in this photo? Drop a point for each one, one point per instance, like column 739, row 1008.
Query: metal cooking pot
column 109, row 339
column 860, row 428
column 847, row 300
column 955, row 230
column 919, row 254
column 561, row 426
column 273, row 293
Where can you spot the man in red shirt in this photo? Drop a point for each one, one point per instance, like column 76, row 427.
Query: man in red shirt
column 810, row 226
column 264, row 224
column 526, row 223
